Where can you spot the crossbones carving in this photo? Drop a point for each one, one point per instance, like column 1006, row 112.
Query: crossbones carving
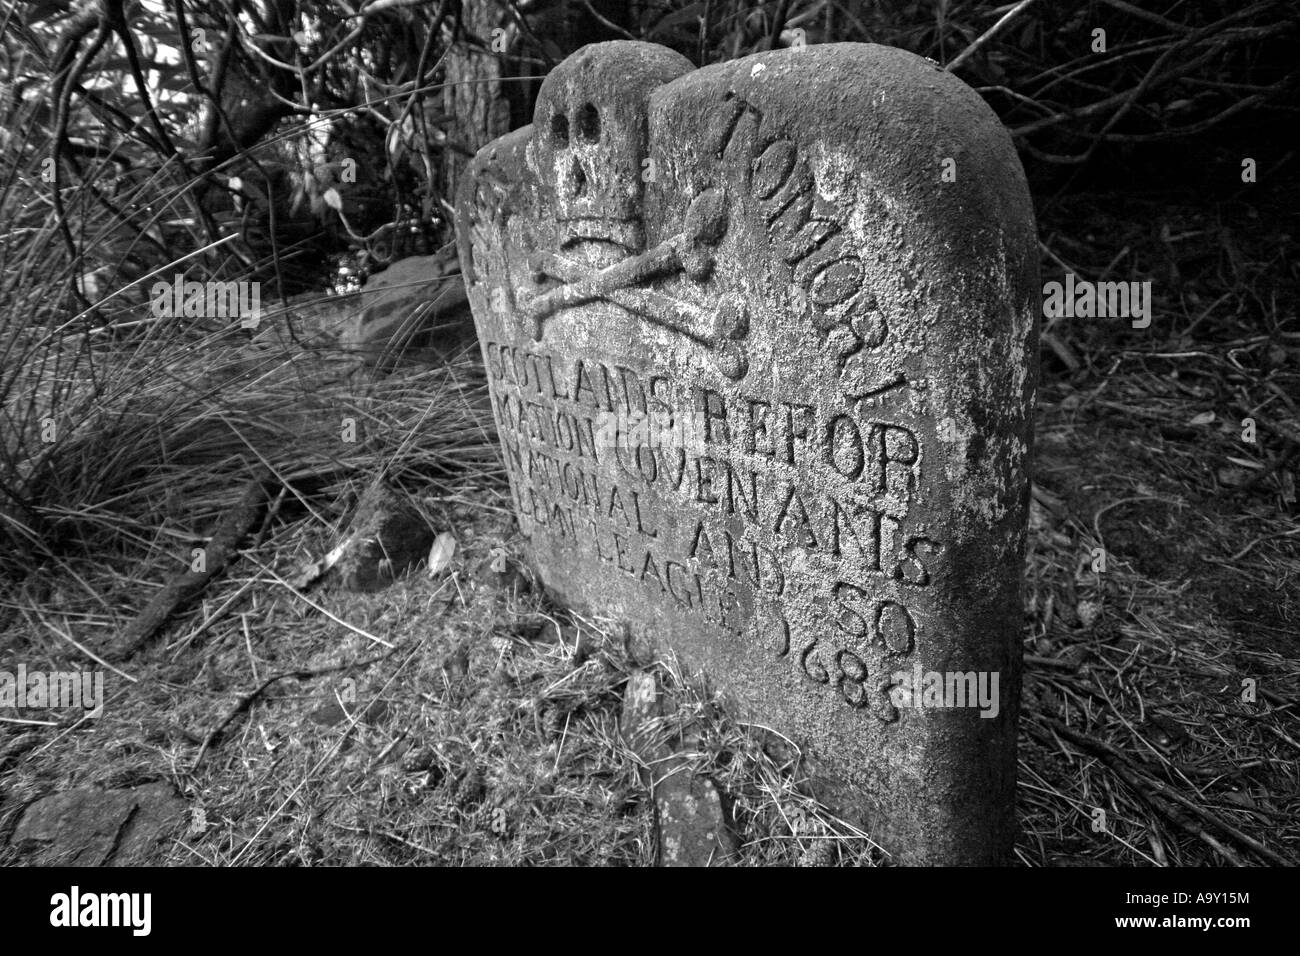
column 690, row 252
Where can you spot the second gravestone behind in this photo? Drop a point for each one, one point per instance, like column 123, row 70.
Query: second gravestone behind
column 762, row 351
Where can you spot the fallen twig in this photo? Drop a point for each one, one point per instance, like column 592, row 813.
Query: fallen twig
column 246, row 700
column 184, row 587
column 1124, row 768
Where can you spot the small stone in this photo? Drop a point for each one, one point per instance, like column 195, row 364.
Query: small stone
column 387, row 536
column 418, row 759
column 1089, row 612
column 471, row 787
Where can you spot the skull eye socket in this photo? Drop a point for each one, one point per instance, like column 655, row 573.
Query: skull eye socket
column 589, row 123
column 560, row 129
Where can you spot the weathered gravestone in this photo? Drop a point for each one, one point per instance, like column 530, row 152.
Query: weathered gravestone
column 762, row 351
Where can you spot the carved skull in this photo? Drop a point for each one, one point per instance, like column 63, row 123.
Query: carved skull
column 589, row 140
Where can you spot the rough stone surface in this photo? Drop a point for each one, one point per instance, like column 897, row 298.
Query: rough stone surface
column 761, row 341
column 690, row 822
column 94, row 827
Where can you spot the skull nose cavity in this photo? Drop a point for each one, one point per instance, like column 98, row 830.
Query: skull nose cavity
column 560, row 129
column 578, row 180
column 589, row 123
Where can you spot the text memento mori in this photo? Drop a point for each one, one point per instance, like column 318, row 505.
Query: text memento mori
column 762, row 353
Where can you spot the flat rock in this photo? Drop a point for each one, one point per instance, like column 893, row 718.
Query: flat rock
column 93, row 827
column 693, row 829
column 415, row 309
column 690, row 821
column 312, row 320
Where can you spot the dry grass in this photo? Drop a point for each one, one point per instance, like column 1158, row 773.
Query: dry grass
column 481, row 736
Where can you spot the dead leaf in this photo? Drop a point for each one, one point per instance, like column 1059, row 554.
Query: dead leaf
column 312, row 570
column 1232, row 477
column 1246, row 463
column 1240, row 798
column 1204, row 418
column 440, row 555
column 1164, row 731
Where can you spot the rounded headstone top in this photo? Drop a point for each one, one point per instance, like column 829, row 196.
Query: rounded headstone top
column 625, row 69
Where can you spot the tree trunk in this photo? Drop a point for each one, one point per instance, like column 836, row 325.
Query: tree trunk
column 485, row 108
column 473, row 92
